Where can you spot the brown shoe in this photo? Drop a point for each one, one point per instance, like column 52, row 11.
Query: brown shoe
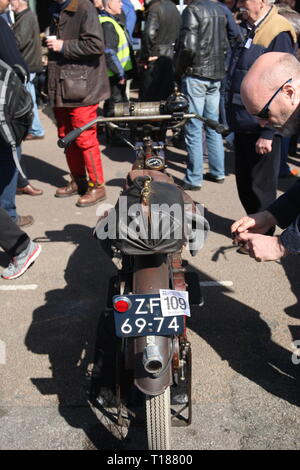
column 68, row 190
column 24, row 220
column 34, row 137
column 77, row 185
column 94, row 194
column 30, row 190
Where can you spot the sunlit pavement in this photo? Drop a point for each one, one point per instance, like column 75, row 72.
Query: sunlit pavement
column 245, row 384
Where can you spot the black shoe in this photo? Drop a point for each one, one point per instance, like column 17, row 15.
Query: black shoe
column 189, row 187
column 212, row 178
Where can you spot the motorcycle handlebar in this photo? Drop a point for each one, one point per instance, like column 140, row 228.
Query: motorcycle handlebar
column 63, row 142
column 215, row 125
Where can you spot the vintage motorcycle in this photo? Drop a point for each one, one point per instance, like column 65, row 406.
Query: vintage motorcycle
column 151, row 295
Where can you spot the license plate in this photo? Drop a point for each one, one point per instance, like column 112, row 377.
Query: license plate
column 144, row 318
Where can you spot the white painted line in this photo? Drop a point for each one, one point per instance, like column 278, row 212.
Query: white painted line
column 216, row 283
column 20, row 287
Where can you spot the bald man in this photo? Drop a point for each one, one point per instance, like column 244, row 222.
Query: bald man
column 273, row 85
column 257, row 149
column 271, row 92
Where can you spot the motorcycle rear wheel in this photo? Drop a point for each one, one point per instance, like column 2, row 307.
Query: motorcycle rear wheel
column 158, row 416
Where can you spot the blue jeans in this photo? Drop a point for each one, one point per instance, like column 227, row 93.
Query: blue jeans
column 204, row 99
column 36, row 126
column 8, row 179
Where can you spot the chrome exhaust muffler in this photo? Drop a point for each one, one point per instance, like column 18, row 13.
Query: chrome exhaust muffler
column 152, row 359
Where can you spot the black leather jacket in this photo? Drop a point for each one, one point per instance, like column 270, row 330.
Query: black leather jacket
column 203, row 41
column 161, row 29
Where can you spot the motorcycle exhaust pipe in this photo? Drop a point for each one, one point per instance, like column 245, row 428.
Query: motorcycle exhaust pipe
column 152, row 359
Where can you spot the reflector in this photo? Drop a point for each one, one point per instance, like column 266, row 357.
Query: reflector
column 122, row 304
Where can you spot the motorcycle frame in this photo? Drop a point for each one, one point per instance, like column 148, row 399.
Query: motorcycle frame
column 146, row 278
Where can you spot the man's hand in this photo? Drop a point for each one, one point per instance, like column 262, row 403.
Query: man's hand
column 263, row 146
column 150, row 59
column 55, row 45
column 260, row 222
column 263, row 247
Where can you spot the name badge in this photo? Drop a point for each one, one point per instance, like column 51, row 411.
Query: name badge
column 248, row 43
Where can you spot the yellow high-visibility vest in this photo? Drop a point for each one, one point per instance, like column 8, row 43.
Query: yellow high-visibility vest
column 123, row 53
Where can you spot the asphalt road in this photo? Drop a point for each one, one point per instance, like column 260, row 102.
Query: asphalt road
column 245, row 385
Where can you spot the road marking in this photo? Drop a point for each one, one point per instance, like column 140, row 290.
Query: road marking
column 202, row 284
column 20, row 287
column 216, row 283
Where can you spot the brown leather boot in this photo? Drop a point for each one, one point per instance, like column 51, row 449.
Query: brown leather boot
column 30, row 190
column 94, row 194
column 77, row 185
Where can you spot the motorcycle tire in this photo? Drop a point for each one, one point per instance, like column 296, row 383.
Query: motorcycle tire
column 158, row 418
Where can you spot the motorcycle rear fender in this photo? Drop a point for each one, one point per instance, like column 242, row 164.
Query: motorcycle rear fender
column 144, row 381
column 151, row 273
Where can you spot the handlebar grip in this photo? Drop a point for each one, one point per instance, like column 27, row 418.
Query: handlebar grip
column 215, row 125
column 62, row 143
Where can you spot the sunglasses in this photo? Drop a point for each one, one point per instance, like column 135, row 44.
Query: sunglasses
column 264, row 113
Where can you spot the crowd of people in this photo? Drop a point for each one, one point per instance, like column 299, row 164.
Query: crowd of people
column 208, row 49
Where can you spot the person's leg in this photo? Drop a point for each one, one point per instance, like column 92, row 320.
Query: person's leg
column 214, row 140
column 157, row 81
column 265, row 175
column 12, row 239
column 118, row 95
column 74, row 156
column 244, row 161
column 293, row 145
column 195, row 90
column 36, row 129
column 222, row 110
column 285, row 170
column 22, row 251
column 25, row 187
column 164, row 78
column 256, row 175
column 64, row 126
column 22, row 182
column 8, row 180
column 87, row 143
column 147, row 88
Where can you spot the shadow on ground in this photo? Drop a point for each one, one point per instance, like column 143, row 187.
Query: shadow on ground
column 37, row 169
column 240, row 336
column 69, row 328
column 64, row 328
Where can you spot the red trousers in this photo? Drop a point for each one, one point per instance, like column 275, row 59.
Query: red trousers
column 84, row 152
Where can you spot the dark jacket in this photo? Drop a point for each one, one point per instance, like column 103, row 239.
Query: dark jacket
column 233, row 31
column 203, row 41
column 274, row 33
column 286, row 209
column 77, row 76
column 27, row 33
column 161, row 29
column 111, row 40
column 9, row 51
